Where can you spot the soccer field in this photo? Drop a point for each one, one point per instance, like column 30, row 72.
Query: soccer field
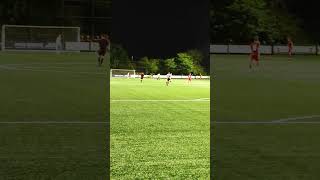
column 267, row 122
column 52, row 116
column 159, row 131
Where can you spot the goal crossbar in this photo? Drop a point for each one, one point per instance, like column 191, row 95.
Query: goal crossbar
column 124, row 73
column 27, row 26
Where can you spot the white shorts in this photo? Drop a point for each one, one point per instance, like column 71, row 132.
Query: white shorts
column 58, row 46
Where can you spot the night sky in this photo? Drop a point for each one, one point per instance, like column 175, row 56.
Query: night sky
column 161, row 28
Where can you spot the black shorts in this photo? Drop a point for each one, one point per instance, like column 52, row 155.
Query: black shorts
column 102, row 52
column 168, row 79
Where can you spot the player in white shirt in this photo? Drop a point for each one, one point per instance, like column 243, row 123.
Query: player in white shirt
column 158, row 76
column 59, row 43
column 168, row 78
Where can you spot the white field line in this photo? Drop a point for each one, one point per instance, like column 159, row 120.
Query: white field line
column 266, row 122
column 46, row 70
column 171, row 85
column 278, row 121
column 216, row 122
column 167, row 110
column 297, row 118
column 57, row 63
column 161, row 100
column 115, row 109
column 54, row 122
column 208, row 99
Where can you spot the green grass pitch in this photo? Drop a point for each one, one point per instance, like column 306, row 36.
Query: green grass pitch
column 48, row 102
column 168, row 138
column 160, row 132
column 267, row 122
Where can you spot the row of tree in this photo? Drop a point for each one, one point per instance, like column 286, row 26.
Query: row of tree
column 238, row 21
column 183, row 63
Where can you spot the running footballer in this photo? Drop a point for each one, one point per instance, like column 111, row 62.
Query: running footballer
column 104, row 43
column 141, row 77
column 290, row 47
column 255, row 54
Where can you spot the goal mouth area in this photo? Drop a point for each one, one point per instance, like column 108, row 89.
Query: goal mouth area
column 40, row 38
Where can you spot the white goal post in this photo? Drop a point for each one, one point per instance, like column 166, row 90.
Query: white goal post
column 39, row 38
column 123, row 73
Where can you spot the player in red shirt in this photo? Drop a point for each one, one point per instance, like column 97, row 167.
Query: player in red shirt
column 103, row 48
column 290, row 46
column 141, row 77
column 189, row 78
column 255, row 55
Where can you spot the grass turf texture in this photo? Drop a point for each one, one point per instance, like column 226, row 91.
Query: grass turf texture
column 159, row 139
column 39, row 88
column 264, row 149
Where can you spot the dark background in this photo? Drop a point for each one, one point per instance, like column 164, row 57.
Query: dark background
column 92, row 16
column 160, row 29
column 308, row 12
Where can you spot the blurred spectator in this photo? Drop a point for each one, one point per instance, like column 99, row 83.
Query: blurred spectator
column 88, row 38
column 82, row 38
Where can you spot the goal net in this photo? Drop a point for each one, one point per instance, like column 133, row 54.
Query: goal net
column 123, row 73
column 39, row 38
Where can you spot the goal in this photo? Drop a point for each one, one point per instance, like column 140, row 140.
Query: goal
column 123, row 73
column 39, row 38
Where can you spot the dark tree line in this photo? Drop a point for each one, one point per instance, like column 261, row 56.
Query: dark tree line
column 237, row 21
column 182, row 63
column 308, row 12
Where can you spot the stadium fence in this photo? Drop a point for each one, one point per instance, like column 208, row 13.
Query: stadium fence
column 264, row 49
column 73, row 46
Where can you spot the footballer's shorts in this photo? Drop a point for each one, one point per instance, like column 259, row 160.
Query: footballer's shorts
column 58, row 46
column 168, row 79
column 102, row 52
column 255, row 56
